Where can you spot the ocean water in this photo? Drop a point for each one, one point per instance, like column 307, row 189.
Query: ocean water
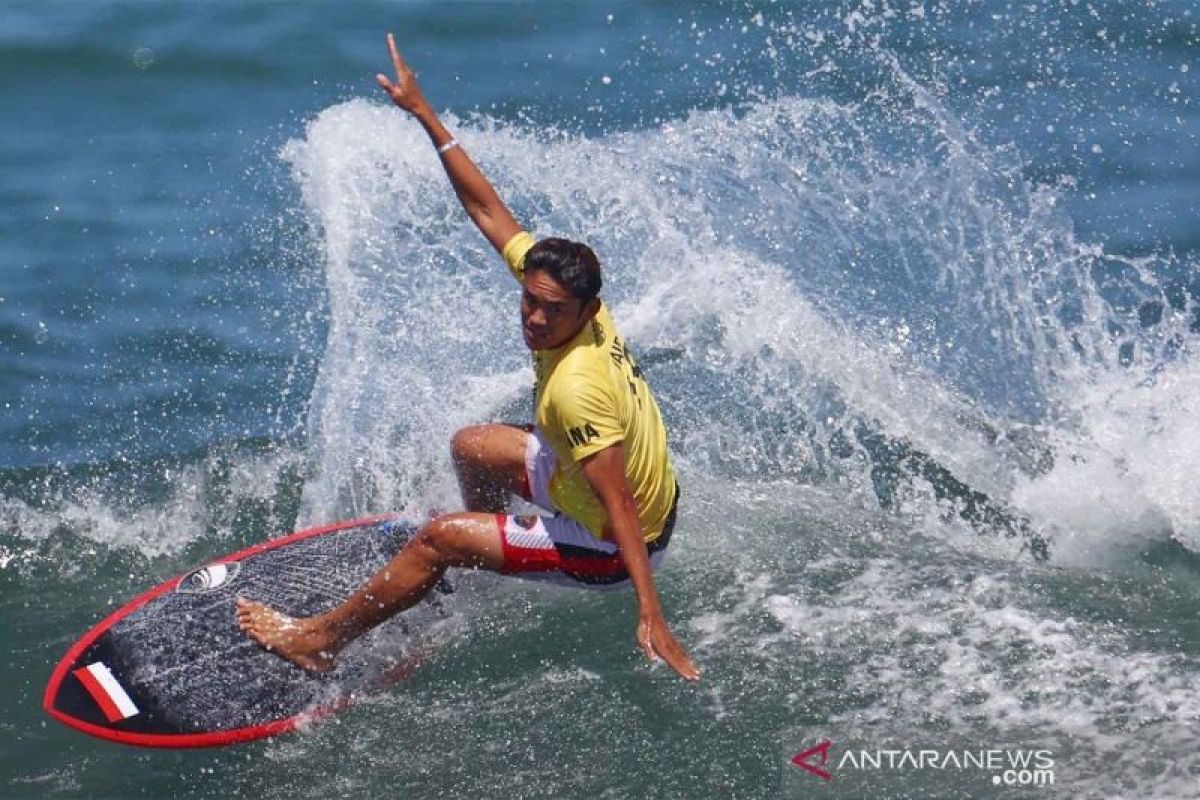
column 915, row 284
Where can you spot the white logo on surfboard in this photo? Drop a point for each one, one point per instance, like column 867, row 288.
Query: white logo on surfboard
column 208, row 578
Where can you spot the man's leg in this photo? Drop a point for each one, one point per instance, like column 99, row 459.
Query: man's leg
column 490, row 462
column 451, row 540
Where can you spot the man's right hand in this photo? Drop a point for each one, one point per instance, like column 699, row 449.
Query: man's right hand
column 404, row 92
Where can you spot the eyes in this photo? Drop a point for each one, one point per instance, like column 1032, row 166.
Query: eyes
column 552, row 310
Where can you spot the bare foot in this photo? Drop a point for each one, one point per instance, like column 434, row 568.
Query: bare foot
column 303, row 641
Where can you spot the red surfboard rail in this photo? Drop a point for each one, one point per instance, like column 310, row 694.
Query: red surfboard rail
column 215, row 738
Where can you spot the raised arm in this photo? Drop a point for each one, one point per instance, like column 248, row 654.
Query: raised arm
column 480, row 200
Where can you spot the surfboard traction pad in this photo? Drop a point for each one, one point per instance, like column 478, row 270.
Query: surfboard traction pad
column 195, row 679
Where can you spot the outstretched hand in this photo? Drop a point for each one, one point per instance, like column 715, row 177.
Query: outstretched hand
column 404, row 92
column 657, row 643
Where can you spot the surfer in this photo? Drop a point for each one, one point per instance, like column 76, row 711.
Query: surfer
column 595, row 458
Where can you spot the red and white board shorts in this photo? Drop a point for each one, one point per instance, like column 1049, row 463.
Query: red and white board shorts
column 556, row 548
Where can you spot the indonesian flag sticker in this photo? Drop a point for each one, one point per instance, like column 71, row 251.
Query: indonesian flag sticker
column 98, row 679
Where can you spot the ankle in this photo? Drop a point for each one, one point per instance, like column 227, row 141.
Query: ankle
column 329, row 633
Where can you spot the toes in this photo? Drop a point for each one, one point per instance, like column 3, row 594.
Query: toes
column 245, row 606
column 257, row 636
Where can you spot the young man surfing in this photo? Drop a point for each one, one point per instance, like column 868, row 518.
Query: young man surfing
column 596, row 456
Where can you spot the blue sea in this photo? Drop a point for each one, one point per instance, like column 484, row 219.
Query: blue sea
column 916, row 284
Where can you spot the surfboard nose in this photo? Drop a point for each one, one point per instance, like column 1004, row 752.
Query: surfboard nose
column 171, row 668
column 89, row 691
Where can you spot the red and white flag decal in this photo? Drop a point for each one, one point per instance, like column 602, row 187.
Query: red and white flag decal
column 108, row 694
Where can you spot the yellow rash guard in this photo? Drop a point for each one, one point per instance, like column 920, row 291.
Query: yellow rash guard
column 591, row 395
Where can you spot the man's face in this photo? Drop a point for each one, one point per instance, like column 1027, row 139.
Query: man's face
column 550, row 315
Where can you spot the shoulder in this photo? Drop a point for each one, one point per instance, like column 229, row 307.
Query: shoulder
column 515, row 251
column 588, row 355
column 602, row 328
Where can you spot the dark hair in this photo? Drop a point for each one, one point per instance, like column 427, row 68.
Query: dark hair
column 572, row 265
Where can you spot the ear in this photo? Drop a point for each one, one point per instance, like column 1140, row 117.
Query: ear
column 592, row 308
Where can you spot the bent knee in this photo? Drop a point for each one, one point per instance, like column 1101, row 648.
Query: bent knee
column 449, row 538
column 493, row 447
column 466, row 443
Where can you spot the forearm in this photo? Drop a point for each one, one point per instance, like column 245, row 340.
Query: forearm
column 483, row 205
column 477, row 195
column 627, row 532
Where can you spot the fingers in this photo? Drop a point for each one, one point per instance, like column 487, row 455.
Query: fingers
column 659, row 645
column 404, row 87
column 684, row 666
column 676, row 658
column 397, row 62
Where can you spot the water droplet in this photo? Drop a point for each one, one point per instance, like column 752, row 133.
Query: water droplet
column 143, row 57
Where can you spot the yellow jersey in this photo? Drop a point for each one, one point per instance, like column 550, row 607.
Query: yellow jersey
column 591, row 395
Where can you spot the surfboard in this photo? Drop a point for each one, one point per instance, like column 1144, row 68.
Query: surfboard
column 171, row 668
